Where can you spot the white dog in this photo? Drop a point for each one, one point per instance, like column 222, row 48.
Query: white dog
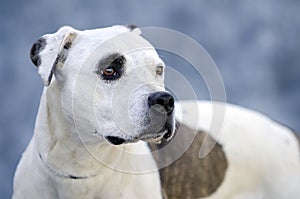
column 104, row 99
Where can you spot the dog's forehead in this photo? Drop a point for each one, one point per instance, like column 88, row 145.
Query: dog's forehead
column 103, row 34
column 116, row 36
column 117, row 40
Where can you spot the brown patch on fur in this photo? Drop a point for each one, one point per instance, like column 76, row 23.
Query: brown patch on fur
column 190, row 177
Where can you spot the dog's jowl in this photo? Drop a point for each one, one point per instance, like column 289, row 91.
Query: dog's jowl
column 107, row 128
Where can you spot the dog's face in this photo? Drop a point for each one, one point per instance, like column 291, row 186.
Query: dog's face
column 110, row 83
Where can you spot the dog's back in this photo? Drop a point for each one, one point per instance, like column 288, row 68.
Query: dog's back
column 253, row 157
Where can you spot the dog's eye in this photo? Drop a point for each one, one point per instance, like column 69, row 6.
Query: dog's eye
column 111, row 68
column 110, row 73
column 159, row 70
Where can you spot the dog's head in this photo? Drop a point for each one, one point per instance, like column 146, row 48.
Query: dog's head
column 109, row 83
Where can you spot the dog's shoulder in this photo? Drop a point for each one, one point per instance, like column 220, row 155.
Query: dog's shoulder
column 188, row 175
column 249, row 148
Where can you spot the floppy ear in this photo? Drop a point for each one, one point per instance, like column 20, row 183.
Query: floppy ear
column 50, row 52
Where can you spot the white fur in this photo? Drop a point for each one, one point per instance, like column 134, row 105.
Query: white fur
column 263, row 156
column 77, row 109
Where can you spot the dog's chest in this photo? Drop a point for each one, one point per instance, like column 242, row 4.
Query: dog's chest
column 111, row 184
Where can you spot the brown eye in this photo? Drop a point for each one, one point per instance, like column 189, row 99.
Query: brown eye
column 110, row 71
column 111, row 68
column 159, row 70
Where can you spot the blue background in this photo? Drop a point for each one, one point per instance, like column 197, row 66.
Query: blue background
column 255, row 44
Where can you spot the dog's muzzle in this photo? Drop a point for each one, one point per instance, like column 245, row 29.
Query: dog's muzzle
column 161, row 108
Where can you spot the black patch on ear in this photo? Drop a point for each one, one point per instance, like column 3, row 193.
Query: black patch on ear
column 36, row 48
column 131, row 27
column 68, row 45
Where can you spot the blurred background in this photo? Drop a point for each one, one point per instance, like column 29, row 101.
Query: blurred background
column 255, row 45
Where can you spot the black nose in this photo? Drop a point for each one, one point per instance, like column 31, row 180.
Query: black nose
column 162, row 98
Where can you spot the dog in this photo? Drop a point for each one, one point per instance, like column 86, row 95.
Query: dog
column 106, row 128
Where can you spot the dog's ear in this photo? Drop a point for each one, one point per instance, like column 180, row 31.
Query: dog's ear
column 50, row 52
column 134, row 28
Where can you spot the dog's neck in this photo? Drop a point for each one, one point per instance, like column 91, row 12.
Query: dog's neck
column 56, row 141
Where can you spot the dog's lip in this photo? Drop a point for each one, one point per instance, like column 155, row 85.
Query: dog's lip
column 149, row 138
column 115, row 140
column 154, row 138
column 165, row 134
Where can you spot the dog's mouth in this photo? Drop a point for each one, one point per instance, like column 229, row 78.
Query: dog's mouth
column 165, row 134
column 157, row 125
